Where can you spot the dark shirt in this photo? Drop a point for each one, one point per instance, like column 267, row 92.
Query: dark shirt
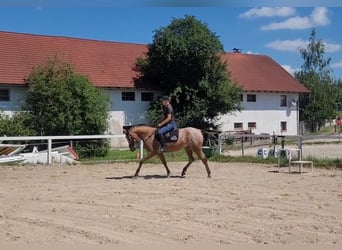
column 168, row 110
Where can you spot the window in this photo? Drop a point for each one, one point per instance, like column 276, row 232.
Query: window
column 128, row 96
column 147, row 96
column 241, row 98
column 4, row 95
column 283, row 100
column 283, row 126
column 252, row 125
column 238, row 126
column 251, row 98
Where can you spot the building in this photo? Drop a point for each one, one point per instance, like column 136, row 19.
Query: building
column 270, row 96
column 269, row 99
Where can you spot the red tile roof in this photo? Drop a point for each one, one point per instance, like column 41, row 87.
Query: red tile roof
column 111, row 64
column 261, row 73
column 108, row 64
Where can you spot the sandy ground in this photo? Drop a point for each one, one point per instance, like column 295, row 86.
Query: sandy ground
column 241, row 203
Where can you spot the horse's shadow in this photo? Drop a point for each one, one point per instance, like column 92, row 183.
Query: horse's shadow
column 146, row 177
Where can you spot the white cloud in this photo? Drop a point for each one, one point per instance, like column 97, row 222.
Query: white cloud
column 289, row 69
column 269, row 12
column 331, row 47
column 337, row 65
column 318, row 17
column 287, row 45
column 295, row 45
column 252, row 52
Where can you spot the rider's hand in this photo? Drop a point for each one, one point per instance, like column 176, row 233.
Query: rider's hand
column 159, row 125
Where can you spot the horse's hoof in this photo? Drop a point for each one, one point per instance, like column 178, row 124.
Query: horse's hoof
column 209, row 176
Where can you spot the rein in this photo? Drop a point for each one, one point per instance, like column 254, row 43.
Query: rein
column 155, row 131
column 146, row 139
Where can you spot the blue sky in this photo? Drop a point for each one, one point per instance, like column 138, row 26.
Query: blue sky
column 274, row 31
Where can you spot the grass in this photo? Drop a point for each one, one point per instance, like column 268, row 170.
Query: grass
column 326, row 162
column 323, row 131
column 318, row 162
column 249, row 159
column 116, row 155
column 127, row 156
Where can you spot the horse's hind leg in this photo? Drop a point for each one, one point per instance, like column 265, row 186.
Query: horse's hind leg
column 191, row 160
column 203, row 158
column 163, row 160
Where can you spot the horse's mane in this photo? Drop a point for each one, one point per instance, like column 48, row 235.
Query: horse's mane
column 142, row 125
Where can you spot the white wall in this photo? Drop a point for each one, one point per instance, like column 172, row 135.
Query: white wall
column 125, row 113
column 134, row 112
column 266, row 112
column 17, row 97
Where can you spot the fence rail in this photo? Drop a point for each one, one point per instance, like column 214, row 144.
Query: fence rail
column 221, row 138
column 243, row 138
column 246, row 141
column 49, row 140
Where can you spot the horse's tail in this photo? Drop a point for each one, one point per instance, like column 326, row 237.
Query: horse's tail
column 211, row 134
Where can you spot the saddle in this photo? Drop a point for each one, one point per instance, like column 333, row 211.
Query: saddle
column 171, row 136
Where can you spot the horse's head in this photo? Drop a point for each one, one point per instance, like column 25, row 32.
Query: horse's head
column 132, row 139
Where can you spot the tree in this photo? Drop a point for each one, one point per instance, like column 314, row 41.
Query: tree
column 315, row 74
column 338, row 84
column 184, row 61
column 15, row 125
column 62, row 102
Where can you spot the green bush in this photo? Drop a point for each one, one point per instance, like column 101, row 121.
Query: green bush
column 86, row 149
column 61, row 102
column 16, row 125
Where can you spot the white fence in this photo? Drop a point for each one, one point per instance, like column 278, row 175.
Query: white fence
column 49, row 140
column 280, row 138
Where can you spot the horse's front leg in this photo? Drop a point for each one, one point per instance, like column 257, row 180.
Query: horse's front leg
column 148, row 156
column 163, row 160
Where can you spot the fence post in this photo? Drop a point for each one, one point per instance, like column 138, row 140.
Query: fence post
column 49, row 153
column 242, row 148
column 219, row 146
column 300, row 146
column 141, row 149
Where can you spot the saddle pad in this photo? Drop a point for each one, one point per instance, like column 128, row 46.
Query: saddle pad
column 172, row 136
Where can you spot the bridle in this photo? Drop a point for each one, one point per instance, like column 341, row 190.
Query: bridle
column 132, row 142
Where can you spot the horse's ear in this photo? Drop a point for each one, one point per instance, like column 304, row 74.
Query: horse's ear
column 125, row 130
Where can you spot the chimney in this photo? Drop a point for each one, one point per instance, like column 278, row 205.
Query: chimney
column 236, row 50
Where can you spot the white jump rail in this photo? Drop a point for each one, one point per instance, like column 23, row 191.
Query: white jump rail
column 49, row 140
column 301, row 164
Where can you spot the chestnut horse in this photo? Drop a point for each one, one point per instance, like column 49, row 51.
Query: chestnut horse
column 191, row 139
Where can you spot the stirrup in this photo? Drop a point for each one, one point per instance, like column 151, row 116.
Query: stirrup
column 161, row 149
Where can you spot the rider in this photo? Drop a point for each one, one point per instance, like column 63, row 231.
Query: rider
column 168, row 123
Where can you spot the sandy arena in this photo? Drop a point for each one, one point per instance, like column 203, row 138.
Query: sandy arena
column 241, row 203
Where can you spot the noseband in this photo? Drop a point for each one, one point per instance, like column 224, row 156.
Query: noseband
column 131, row 141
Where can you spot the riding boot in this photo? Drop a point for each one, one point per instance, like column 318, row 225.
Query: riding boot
column 161, row 142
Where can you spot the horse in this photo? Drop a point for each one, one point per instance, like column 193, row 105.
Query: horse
column 191, row 139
